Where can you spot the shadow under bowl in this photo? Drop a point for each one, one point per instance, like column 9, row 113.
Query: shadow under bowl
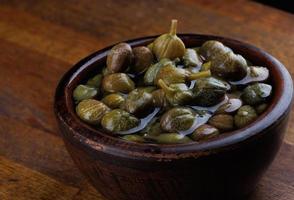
column 228, row 167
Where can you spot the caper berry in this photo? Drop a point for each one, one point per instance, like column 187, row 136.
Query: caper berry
column 143, row 58
column 256, row 93
column 209, row 91
column 119, row 120
column 133, row 138
column 245, row 115
column 138, row 101
column 212, row 49
column 229, row 66
column 261, row 108
column 119, row 58
column 169, row 45
column 82, row 92
column 191, row 58
column 91, row 111
column 204, row 132
column 114, row 100
column 118, row 82
column 223, row 122
column 177, row 119
column 95, row 81
column 171, row 138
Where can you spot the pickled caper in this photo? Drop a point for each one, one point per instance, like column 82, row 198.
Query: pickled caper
column 119, row 58
column 171, row 138
column 209, row 91
column 151, row 73
column 91, row 111
column 82, row 92
column 138, row 101
column 261, row 108
column 245, row 115
column 256, row 94
column 229, row 66
column 169, row 45
column 177, row 119
column 204, row 132
column 133, row 138
column 95, row 81
column 176, row 94
column 223, row 122
column 212, row 49
column 118, row 82
column 143, row 58
column 114, row 100
column 191, row 58
column 119, row 120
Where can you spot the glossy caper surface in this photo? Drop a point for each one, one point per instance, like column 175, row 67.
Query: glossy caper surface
column 167, row 93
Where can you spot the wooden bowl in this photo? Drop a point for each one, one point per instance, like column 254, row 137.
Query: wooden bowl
column 227, row 167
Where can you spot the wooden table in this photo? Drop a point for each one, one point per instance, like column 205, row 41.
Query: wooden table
column 40, row 40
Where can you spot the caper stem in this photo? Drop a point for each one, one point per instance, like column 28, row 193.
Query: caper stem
column 198, row 75
column 164, row 86
column 173, row 27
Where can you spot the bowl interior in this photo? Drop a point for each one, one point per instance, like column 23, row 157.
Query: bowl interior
column 89, row 66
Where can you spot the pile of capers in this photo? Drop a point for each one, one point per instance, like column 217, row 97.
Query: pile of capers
column 167, row 93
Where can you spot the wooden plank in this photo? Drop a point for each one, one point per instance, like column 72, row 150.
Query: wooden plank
column 28, row 80
column 87, row 192
column 32, row 33
column 271, row 189
column 18, row 182
column 282, row 168
column 37, row 150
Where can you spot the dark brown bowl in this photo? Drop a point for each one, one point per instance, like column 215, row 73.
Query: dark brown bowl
column 228, row 167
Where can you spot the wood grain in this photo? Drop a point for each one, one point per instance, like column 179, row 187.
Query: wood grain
column 40, row 40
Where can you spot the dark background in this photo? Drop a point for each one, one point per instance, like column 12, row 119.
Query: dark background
column 283, row 4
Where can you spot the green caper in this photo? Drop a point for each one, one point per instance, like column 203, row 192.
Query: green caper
column 151, row 73
column 191, row 58
column 105, row 71
column 82, row 92
column 229, row 66
column 91, row 111
column 245, row 115
column 176, row 94
column 256, row 94
column 261, row 108
column 151, row 130
column 138, row 101
column 223, row 122
column 159, row 99
column 118, row 82
column 230, row 107
column 169, row 45
column 204, row 132
column 114, row 100
column 172, row 138
column 212, row 49
column 119, row 120
column 133, row 138
column 95, row 81
column 150, row 46
column 171, row 74
column 177, row 119
column 209, row 91
column 143, row 58
column 119, row 58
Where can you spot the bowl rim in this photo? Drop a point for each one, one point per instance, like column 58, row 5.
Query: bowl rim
column 95, row 140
